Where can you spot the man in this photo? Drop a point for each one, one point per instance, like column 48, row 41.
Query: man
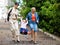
column 14, row 23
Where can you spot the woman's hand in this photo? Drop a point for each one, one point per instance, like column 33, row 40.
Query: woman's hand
column 25, row 20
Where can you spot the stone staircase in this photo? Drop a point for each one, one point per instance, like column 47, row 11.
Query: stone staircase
column 5, row 37
column 4, row 25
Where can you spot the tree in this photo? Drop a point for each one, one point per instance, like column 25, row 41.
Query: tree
column 49, row 13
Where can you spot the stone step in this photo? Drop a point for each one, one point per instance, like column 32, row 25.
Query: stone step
column 5, row 37
column 4, row 24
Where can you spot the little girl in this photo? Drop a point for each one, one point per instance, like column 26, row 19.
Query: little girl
column 23, row 28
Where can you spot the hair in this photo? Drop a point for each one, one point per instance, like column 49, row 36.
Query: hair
column 16, row 3
column 33, row 8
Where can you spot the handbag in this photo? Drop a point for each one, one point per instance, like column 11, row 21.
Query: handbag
column 9, row 15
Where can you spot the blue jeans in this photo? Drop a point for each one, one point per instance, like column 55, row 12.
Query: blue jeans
column 33, row 27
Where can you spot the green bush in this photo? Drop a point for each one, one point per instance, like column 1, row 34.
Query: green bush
column 24, row 11
column 49, row 13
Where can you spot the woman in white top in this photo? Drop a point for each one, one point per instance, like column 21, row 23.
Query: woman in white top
column 14, row 23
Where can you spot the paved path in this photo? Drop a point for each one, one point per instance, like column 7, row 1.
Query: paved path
column 5, row 37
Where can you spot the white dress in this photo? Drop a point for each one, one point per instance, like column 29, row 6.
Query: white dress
column 14, row 23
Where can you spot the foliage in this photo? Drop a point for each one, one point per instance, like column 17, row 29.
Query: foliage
column 49, row 13
column 13, row 1
column 11, row 5
column 24, row 11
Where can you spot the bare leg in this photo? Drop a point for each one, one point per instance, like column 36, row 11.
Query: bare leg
column 32, row 34
column 35, row 37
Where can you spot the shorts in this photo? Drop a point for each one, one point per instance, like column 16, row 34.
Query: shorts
column 23, row 31
column 33, row 27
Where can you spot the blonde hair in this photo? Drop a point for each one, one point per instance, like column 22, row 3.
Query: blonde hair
column 33, row 8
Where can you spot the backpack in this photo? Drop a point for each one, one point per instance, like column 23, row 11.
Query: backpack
column 9, row 15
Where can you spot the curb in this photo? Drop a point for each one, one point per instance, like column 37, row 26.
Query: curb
column 50, row 35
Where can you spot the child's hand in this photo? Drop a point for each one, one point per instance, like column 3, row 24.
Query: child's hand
column 25, row 21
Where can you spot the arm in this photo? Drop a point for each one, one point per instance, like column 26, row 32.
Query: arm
column 27, row 18
column 16, row 14
column 37, row 18
column 21, row 19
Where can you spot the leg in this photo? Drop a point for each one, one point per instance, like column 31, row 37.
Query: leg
column 12, row 30
column 35, row 32
column 5, row 19
column 35, row 37
column 29, row 32
column 17, row 35
column 13, row 35
column 32, row 32
column 17, row 31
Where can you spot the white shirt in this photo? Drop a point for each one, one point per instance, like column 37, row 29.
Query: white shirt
column 23, row 24
column 13, row 13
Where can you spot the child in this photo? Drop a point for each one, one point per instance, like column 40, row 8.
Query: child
column 23, row 28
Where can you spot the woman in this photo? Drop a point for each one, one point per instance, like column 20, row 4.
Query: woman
column 14, row 23
column 33, row 19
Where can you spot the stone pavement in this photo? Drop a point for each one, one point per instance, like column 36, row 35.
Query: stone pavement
column 5, row 37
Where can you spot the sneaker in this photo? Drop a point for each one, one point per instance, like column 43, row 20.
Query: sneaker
column 18, row 41
column 35, row 42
